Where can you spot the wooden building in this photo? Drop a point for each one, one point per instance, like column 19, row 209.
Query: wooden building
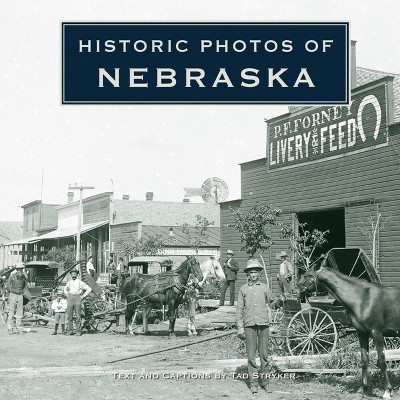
column 336, row 168
column 106, row 221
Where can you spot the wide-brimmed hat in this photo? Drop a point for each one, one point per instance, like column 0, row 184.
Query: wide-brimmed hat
column 283, row 254
column 253, row 263
column 19, row 265
column 230, row 252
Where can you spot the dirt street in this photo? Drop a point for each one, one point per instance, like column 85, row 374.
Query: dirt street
column 37, row 365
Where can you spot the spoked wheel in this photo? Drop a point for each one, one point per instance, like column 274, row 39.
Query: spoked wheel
column 392, row 343
column 102, row 322
column 42, row 307
column 276, row 342
column 311, row 331
column 101, row 305
column 4, row 308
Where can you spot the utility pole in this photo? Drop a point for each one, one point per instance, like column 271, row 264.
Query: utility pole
column 81, row 188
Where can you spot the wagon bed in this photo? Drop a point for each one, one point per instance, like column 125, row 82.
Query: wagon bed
column 313, row 327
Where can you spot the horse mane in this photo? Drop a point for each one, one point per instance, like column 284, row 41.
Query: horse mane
column 177, row 270
column 351, row 279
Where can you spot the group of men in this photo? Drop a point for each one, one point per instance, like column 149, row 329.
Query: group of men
column 252, row 313
column 75, row 291
column 116, row 271
column 66, row 303
column 231, row 268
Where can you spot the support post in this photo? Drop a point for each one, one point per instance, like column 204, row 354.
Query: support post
column 78, row 234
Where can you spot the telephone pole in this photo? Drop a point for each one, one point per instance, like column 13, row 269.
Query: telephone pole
column 81, row 188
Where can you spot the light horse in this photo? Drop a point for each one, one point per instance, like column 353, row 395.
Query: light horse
column 211, row 268
column 164, row 288
column 374, row 311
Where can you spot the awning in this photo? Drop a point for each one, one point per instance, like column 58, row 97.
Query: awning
column 67, row 232
column 47, row 264
column 23, row 241
column 146, row 259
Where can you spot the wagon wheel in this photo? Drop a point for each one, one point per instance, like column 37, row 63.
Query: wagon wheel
column 311, row 331
column 276, row 339
column 102, row 322
column 4, row 308
column 42, row 307
column 101, row 305
column 392, row 343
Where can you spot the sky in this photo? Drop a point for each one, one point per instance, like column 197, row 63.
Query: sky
column 133, row 149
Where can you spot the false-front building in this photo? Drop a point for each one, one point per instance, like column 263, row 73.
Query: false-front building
column 335, row 168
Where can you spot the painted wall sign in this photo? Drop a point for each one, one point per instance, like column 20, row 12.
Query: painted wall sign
column 188, row 252
column 203, row 63
column 322, row 133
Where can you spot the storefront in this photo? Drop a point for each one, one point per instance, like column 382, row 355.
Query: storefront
column 335, row 168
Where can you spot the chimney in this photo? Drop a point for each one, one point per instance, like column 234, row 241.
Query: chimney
column 186, row 200
column 125, row 197
column 70, row 196
column 353, row 65
column 149, row 196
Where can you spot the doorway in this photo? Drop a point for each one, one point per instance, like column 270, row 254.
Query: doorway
column 331, row 220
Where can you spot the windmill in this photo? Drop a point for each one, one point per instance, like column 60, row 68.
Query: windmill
column 213, row 190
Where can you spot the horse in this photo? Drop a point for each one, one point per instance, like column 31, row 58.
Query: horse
column 164, row 288
column 211, row 268
column 373, row 309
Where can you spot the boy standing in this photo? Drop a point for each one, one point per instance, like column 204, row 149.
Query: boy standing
column 59, row 306
column 252, row 319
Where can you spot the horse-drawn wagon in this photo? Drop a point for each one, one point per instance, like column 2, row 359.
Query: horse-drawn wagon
column 314, row 326
column 43, row 278
column 147, row 283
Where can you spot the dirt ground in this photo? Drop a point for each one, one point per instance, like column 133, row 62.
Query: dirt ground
column 37, row 365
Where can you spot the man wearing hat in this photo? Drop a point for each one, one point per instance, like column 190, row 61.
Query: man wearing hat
column 252, row 320
column 285, row 274
column 76, row 291
column 16, row 285
column 230, row 267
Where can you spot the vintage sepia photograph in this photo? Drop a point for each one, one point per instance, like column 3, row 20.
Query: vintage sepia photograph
column 200, row 199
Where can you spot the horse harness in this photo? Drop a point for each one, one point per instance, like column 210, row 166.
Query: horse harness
column 314, row 279
column 177, row 284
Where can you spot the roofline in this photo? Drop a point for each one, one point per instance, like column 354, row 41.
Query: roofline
column 257, row 159
column 31, row 203
column 231, row 201
column 159, row 201
column 176, row 226
column 125, row 223
column 306, row 108
column 379, row 72
column 85, row 200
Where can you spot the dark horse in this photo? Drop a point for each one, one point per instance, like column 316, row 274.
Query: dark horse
column 165, row 288
column 374, row 311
